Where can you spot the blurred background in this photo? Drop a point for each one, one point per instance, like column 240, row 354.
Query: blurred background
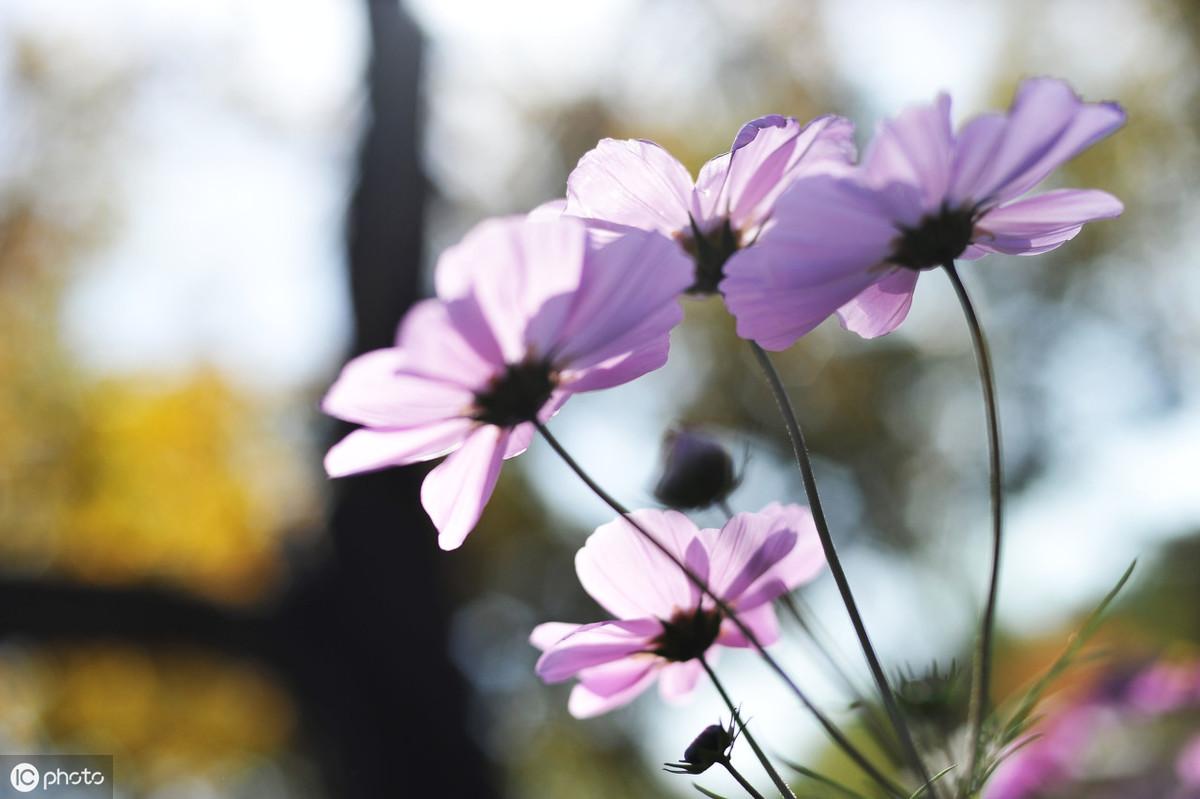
column 206, row 207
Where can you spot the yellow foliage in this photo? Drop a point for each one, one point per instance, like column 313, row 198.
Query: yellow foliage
column 160, row 714
column 155, row 478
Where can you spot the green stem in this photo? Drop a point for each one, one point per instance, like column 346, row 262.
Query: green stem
column 742, row 781
column 822, row 643
column 780, row 783
column 800, row 449
column 830, row 728
column 982, row 671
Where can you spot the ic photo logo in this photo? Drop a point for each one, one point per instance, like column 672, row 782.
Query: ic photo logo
column 24, row 777
column 56, row 776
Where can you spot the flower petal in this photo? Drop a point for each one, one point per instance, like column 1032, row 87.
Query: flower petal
column 802, row 563
column 746, row 548
column 881, row 307
column 551, row 209
column 678, row 680
column 762, row 621
column 617, row 676
column 915, row 149
column 521, row 273
column 708, row 205
column 771, row 152
column 623, row 368
column 584, row 704
column 546, row 635
column 447, row 341
column 974, row 151
column 626, row 301
column 376, row 389
column 455, row 493
column 631, row 182
column 595, row 644
column 1043, row 222
column 1047, row 125
column 824, row 248
column 628, row 575
column 367, row 450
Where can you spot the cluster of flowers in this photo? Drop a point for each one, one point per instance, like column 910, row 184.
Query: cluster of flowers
column 1119, row 713
column 788, row 228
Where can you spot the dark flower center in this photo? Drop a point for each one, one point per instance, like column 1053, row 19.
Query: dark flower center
column 688, row 634
column 936, row 240
column 517, row 395
column 709, row 251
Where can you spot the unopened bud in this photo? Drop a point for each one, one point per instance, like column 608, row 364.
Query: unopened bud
column 697, row 471
column 711, row 746
column 935, row 696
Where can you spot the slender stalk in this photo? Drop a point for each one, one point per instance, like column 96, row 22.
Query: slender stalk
column 780, row 783
column 800, row 448
column 830, row 728
column 982, row 671
column 742, row 781
column 822, row 643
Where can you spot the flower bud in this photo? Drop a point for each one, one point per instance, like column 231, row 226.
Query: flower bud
column 697, row 471
column 711, row 746
column 934, row 697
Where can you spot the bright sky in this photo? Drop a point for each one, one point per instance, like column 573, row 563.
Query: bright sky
column 231, row 168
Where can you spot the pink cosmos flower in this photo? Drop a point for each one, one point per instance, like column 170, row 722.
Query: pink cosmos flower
column 854, row 243
column 529, row 312
column 1052, row 758
column 637, row 184
column 663, row 623
column 1187, row 763
column 1119, row 711
column 1165, row 687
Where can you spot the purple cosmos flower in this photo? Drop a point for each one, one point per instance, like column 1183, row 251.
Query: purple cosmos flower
column 529, row 311
column 663, row 623
column 924, row 195
column 1061, row 753
column 637, row 184
column 1187, row 763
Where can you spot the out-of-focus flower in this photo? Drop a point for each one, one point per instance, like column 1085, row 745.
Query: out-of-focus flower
column 710, row 747
column 1187, row 765
column 1061, row 754
column 854, row 243
column 1052, row 757
column 635, row 184
column 698, row 471
column 663, row 623
column 529, row 312
column 1165, row 687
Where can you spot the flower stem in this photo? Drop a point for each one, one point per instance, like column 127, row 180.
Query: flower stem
column 830, row 728
column 981, row 679
column 800, row 448
column 780, row 783
column 876, row 725
column 742, row 781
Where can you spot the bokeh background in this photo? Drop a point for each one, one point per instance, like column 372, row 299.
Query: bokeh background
column 206, row 206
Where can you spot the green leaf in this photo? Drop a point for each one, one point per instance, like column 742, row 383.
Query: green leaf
column 821, row 778
column 706, row 791
column 995, row 764
column 1019, row 720
column 932, row 780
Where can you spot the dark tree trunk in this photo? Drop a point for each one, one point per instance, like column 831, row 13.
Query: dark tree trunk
column 361, row 639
